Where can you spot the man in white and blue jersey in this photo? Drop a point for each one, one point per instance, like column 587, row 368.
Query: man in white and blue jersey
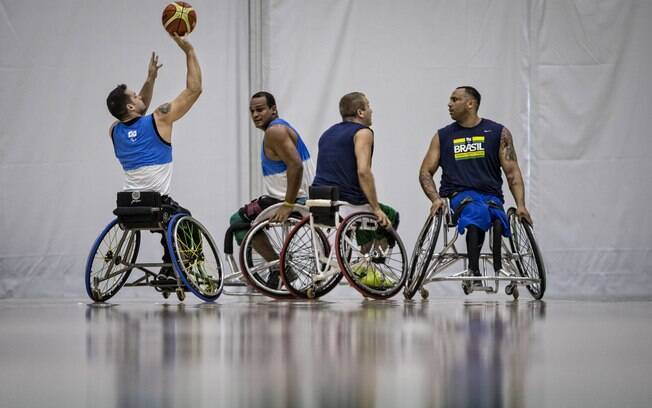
column 143, row 143
column 286, row 167
column 471, row 152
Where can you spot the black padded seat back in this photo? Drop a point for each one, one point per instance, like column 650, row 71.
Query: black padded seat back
column 324, row 215
column 141, row 209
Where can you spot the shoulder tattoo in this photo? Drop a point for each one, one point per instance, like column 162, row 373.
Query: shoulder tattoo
column 507, row 145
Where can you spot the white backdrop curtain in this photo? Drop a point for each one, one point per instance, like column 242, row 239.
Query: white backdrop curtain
column 568, row 78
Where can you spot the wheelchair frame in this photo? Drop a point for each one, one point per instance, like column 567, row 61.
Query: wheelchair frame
column 130, row 222
column 331, row 265
column 240, row 275
column 512, row 261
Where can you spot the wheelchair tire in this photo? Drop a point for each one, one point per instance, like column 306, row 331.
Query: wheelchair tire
column 258, row 272
column 195, row 257
column 387, row 265
column 103, row 257
column 422, row 254
column 529, row 261
column 298, row 263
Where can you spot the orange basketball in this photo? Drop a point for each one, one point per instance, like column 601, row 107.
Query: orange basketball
column 179, row 17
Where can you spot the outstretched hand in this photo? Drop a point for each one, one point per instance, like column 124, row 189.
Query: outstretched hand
column 182, row 42
column 154, row 66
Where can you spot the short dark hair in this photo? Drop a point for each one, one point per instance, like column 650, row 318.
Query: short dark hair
column 350, row 103
column 117, row 101
column 472, row 92
column 269, row 98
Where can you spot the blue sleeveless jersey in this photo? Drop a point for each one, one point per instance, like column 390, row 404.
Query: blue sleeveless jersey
column 469, row 158
column 271, row 167
column 137, row 144
column 337, row 164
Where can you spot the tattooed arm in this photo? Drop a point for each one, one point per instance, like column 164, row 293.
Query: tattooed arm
column 428, row 169
column 509, row 163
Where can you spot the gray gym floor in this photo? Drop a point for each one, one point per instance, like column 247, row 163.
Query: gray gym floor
column 342, row 351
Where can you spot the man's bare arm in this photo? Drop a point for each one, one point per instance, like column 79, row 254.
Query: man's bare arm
column 363, row 140
column 147, row 89
column 279, row 141
column 509, row 163
column 429, row 167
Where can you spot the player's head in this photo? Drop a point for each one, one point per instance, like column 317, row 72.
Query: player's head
column 464, row 101
column 262, row 107
column 354, row 106
column 124, row 104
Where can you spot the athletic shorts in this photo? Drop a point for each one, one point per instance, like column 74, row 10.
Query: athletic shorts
column 478, row 209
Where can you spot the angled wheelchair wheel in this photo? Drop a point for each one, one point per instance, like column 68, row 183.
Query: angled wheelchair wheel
column 302, row 258
column 528, row 259
column 422, row 255
column 195, row 257
column 109, row 263
column 372, row 259
column 263, row 275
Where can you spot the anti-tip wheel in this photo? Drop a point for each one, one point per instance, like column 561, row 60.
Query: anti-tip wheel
column 424, row 293
column 181, row 294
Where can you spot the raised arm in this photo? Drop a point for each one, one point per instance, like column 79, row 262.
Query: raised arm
column 279, row 141
column 429, row 167
column 148, row 87
column 168, row 113
column 363, row 141
column 509, row 163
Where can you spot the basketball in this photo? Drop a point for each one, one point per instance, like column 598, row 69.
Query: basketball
column 179, row 17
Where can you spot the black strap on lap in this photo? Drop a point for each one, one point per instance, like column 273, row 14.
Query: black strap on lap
column 458, row 210
column 228, row 236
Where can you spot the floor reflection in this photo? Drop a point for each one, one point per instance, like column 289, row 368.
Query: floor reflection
column 279, row 354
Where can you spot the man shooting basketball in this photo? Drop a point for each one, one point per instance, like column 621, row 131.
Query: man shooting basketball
column 143, row 143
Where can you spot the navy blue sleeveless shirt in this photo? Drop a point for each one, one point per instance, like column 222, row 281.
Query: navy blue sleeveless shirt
column 336, row 162
column 469, row 158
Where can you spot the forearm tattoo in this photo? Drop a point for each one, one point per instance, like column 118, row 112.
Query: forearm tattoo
column 165, row 108
column 507, row 145
column 428, row 185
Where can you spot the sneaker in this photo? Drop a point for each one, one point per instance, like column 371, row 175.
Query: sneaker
column 370, row 277
column 477, row 284
column 273, row 279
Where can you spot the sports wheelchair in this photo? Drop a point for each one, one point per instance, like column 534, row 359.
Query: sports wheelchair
column 521, row 261
column 253, row 269
column 194, row 257
column 324, row 246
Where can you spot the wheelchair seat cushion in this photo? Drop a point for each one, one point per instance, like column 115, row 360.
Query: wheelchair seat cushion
column 324, row 193
column 138, row 199
column 474, row 208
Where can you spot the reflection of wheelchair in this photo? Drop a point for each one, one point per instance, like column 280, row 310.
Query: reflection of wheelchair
column 522, row 262
column 372, row 259
column 194, row 255
column 260, row 273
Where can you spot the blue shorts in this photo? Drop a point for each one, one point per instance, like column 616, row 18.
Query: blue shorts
column 479, row 210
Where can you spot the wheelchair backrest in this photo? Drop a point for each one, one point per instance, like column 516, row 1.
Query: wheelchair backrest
column 324, row 215
column 141, row 209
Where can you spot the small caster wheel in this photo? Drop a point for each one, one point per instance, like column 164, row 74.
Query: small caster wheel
column 509, row 289
column 466, row 287
column 515, row 293
column 166, row 294
column 424, row 293
column 181, row 295
column 310, row 293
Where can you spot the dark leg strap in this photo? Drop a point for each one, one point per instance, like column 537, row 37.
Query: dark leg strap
column 497, row 244
column 474, row 241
